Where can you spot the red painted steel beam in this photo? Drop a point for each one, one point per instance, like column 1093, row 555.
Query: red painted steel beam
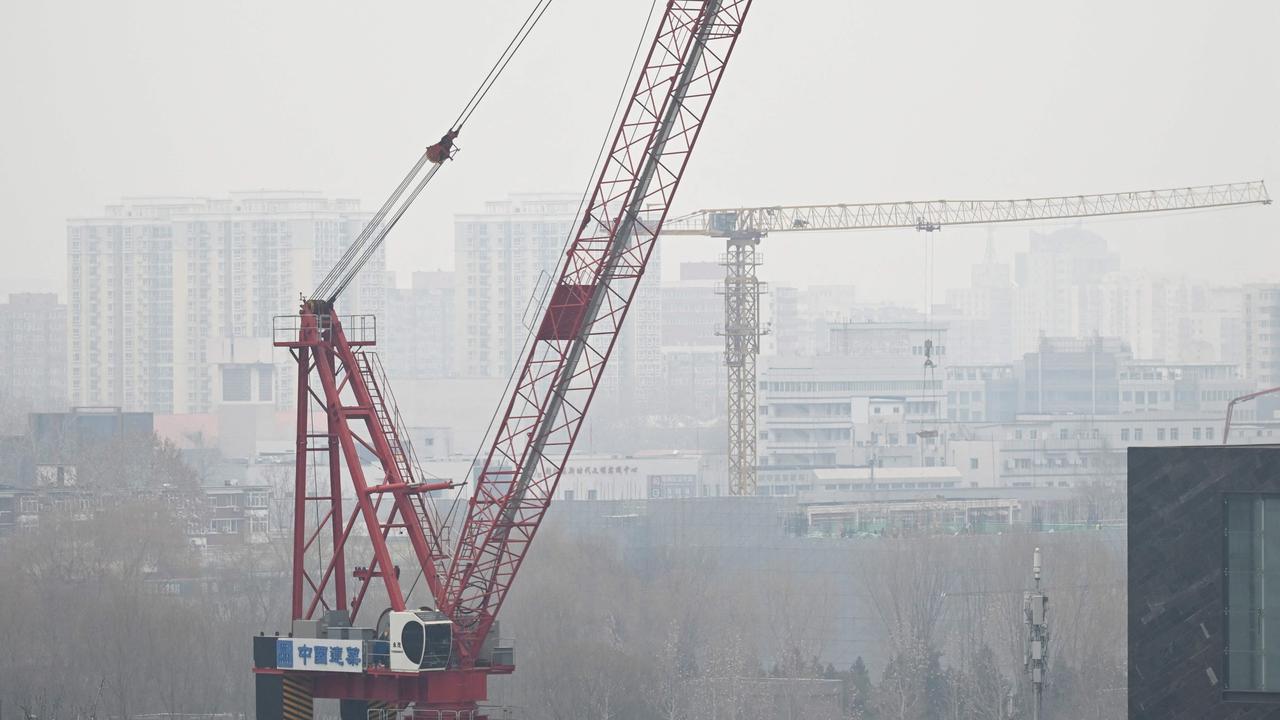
column 588, row 306
column 336, row 381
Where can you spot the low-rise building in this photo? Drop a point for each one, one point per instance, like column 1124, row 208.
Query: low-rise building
column 1147, row 386
column 235, row 515
column 588, row 477
column 981, row 392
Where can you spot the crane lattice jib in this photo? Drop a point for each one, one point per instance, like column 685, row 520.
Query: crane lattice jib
column 934, row 214
column 605, row 261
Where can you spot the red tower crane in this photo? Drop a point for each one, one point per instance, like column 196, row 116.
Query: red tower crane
column 347, row 415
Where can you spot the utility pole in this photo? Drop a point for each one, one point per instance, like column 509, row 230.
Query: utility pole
column 1035, row 605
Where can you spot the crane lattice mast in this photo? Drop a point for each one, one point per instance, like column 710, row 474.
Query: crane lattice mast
column 588, row 304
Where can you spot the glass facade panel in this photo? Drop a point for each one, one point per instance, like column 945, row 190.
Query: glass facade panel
column 1253, row 592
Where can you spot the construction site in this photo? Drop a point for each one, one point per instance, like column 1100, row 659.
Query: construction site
column 252, row 474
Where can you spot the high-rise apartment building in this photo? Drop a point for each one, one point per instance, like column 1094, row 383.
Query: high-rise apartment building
column 1057, row 281
column 501, row 256
column 1151, row 312
column 693, row 313
column 692, row 306
column 417, row 336
column 509, row 252
column 1262, row 333
column 982, row 330
column 33, row 358
column 165, row 294
column 1215, row 325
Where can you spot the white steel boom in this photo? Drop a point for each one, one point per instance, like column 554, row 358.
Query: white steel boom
column 935, row 214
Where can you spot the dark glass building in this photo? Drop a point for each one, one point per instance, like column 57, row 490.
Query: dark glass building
column 1204, row 582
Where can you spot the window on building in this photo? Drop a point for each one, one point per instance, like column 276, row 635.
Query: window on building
column 1173, row 434
column 1195, row 433
column 592, row 494
column 1160, row 434
column 235, row 384
column 1208, row 433
column 973, row 463
column 1137, row 434
column 1124, row 434
column 1062, row 434
column 1253, row 558
column 225, row 526
column 568, row 494
column 265, row 384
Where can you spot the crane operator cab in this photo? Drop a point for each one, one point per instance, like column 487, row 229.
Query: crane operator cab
column 418, row 640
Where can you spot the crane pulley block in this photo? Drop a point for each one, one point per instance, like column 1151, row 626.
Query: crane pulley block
column 444, row 149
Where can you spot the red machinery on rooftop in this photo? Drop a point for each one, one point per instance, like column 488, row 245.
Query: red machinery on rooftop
column 346, row 414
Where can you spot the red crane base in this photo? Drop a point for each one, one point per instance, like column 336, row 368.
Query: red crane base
column 443, row 695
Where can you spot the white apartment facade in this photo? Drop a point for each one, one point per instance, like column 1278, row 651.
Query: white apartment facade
column 505, row 259
column 1262, row 333
column 33, row 358
column 417, row 333
column 162, row 290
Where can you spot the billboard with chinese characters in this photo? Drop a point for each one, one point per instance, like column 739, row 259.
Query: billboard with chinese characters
column 320, row 654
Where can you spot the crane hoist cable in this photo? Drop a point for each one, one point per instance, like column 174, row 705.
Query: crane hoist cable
column 513, row 376
column 357, row 254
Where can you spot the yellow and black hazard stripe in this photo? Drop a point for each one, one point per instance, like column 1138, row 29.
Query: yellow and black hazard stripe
column 296, row 697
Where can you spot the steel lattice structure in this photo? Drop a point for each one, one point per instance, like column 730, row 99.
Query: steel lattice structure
column 744, row 227
column 936, row 214
column 588, row 304
column 742, row 331
column 345, row 407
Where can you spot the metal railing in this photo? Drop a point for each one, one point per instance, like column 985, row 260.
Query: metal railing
column 359, row 329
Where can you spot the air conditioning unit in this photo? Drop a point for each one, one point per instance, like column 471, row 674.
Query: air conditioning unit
column 421, row 640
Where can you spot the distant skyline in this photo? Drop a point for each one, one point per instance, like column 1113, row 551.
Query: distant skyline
column 829, row 101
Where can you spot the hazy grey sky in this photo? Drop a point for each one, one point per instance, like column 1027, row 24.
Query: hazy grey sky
column 826, row 101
